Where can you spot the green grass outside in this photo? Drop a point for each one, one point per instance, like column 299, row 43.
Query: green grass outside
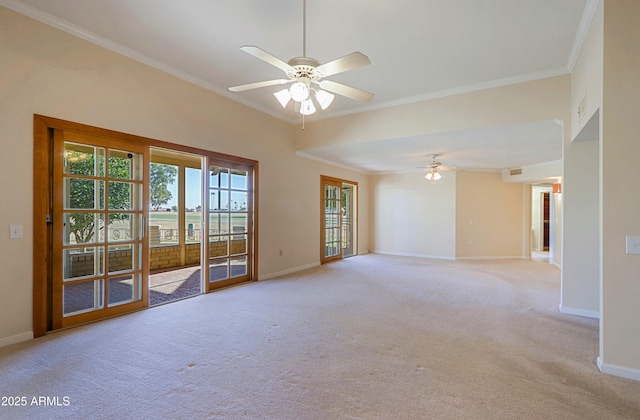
column 191, row 217
column 169, row 219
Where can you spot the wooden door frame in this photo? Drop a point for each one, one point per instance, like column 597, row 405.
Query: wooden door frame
column 545, row 198
column 42, row 202
column 324, row 179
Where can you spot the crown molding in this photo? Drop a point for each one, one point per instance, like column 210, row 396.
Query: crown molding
column 120, row 49
column 581, row 34
column 529, row 77
column 329, row 162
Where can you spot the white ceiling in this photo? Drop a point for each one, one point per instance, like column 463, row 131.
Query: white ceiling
column 419, row 49
column 489, row 149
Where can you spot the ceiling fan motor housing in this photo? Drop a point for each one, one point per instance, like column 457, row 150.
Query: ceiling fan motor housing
column 304, row 67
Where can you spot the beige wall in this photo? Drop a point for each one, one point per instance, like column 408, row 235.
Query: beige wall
column 601, row 207
column 48, row 72
column 464, row 215
column 538, row 100
column 586, row 77
column 491, row 217
column 620, row 149
column 410, row 216
column 558, row 228
column 580, row 289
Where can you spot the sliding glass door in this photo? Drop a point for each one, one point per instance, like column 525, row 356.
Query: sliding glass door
column 338, row 222
column 99, row 247
column 230, row 223
column 122, row 222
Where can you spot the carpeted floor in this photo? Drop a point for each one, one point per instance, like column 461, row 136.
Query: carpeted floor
column 370, row 337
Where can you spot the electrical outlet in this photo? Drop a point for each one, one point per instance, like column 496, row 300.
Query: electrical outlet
column 633, row 244
column 15, row 231
column 281, row 253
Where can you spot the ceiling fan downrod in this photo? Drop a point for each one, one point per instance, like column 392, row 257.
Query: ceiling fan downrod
column 304, row 28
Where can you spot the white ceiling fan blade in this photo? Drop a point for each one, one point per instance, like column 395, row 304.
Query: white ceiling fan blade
column 342, row 64
column 348, row 91
column 257, row 85
column 265, row 56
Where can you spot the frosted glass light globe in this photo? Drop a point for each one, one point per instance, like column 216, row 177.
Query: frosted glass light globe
column 300, row 90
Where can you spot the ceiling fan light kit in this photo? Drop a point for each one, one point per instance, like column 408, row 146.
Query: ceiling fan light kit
column 307, row 107
column 433, row 175
column 305, row 73
column 283, row 96
column 324, row 99
column 300, row 90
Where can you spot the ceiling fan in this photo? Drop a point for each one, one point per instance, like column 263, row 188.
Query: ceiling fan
column 305, row 75
column 433, row 167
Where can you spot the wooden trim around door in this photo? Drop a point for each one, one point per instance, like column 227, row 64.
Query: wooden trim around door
column 42, row 202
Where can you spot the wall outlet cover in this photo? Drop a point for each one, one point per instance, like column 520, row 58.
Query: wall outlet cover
column 15, row 231
column 633, row 244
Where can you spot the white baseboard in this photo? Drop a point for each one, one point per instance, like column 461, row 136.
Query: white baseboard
column 492, row 258
column 18, row 338
column 579, row 312
column 620, row 371
column 402, row 254
column 442, row 257
column 288, row 271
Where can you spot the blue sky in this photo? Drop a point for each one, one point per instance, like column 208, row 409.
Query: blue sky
column 194, row 186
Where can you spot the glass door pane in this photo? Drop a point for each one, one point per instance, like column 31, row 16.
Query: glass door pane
column 229, row 219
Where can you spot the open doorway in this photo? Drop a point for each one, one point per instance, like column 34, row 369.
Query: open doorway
column 541, row 226
column 175, row 225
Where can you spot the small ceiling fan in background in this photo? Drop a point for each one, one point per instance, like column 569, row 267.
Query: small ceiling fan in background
column 432, row 167
column 305, row 75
